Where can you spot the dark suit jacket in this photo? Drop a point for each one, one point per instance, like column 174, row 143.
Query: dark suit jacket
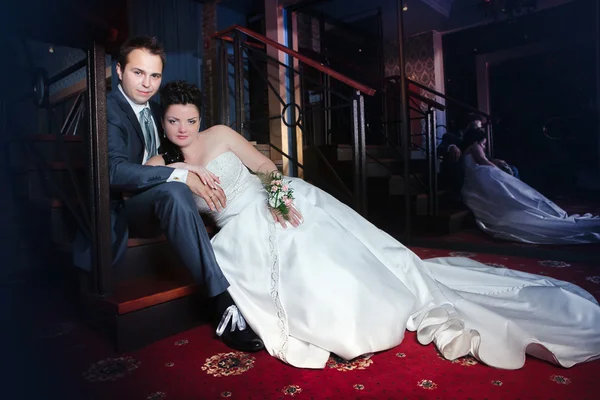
column 126, row 175
column 447, row 140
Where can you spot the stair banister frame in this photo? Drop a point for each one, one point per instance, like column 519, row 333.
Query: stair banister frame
column 233, row 35
column 306, row 60
column 98, row 172
column 405, row 122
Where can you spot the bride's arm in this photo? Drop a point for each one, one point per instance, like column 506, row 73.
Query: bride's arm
column 257, row 163
column 479, row 156
column 245, row 151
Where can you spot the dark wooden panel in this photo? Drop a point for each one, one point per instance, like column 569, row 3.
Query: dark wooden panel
column 141, row 328
column 135, row 330
column 135, row 294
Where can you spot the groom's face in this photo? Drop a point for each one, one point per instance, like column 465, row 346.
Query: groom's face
column 141, row 76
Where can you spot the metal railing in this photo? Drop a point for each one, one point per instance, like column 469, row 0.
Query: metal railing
column 87, row 202
column 347, row 98
column 426, row 108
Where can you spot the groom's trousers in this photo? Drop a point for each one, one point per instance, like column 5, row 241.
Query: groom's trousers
column 169, row 208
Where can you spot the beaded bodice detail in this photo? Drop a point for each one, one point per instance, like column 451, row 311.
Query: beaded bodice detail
column 234, row 177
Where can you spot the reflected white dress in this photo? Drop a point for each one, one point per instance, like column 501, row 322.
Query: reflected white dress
column 509, row 209
column 337, row 284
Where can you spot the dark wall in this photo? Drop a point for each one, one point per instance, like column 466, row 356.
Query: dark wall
column 573, row 22
column 528, row 91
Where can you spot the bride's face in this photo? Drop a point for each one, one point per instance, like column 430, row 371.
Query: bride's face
column 181, row 124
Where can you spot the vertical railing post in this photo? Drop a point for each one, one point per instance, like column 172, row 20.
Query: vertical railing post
column 405, row 123
column 98, row 171
column 359, row 154
column 225, row 118
column 490, row 139
column 433, row 156
column 428, row 155
column 238, row 61
column 597, row 34
column 327, row 113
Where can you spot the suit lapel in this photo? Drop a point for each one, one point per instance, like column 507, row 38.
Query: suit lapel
column 122, row 102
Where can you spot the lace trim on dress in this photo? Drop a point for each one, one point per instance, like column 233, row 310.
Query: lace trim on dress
column 239, row 188
column 281, row 315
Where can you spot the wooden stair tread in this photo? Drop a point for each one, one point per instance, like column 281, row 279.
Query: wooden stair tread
column 58, row 203
column 53, row 138
column 369, row 146
column 141, row 293
column 375, row 160
column 59, row 165
column 147, row 292
column 425, row 195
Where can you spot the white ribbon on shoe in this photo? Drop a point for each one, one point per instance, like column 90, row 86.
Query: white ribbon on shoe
column 237, row 320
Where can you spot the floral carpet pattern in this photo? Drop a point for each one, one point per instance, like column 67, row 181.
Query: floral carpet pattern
column 194, row 365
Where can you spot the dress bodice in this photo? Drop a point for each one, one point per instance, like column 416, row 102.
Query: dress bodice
column 234, row 177
column 469, row 161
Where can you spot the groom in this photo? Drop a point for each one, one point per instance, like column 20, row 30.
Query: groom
column 161, row 198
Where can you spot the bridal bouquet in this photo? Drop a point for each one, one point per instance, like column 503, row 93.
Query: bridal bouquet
column 279, row 192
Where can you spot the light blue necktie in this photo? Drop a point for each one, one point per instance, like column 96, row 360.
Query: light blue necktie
column 149, row 132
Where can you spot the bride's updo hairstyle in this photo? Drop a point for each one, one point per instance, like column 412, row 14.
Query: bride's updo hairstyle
column 177, row 92
column 473, row 136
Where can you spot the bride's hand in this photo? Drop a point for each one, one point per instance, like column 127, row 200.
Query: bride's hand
column 294, row 217
column 206, row 177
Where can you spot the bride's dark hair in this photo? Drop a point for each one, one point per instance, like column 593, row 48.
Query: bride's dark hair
column 177, row 92
column 473, row 136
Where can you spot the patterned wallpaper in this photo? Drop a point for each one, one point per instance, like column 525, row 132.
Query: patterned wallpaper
column 420, row 67
column 419, row 56
column 309, row 33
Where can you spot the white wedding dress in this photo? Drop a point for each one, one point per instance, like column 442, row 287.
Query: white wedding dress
column 509, row 209
column 337, row 284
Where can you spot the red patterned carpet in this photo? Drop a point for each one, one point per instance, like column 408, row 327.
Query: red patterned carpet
column 193, row 365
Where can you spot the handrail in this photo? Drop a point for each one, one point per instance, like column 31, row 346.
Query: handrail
column 249, row 44
column 428, row 101
column 445, row 97
column 306, row 60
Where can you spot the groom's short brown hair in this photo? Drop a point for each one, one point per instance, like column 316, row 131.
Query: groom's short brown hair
column 149, row 43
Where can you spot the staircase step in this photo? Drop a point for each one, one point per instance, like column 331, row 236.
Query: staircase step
column 137, row 294
column 396, row 184
column 265, row 149
column 28, row 184
column 345, row 152
column 446, row 222
column 59, row 165
column 52, row 138
column 380, row 168
column 47, row 147
column 144, row 310
column 422, row 200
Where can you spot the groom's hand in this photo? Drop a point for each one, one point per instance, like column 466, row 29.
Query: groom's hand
column 454, row 153
column 215, row 198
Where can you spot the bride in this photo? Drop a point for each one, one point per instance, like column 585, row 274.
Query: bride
column 507, row 208
column 325, row 280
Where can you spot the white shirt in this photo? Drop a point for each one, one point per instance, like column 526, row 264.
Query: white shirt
column 178, row 174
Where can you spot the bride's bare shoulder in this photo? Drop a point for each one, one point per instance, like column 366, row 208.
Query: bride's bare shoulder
column 219, row 132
